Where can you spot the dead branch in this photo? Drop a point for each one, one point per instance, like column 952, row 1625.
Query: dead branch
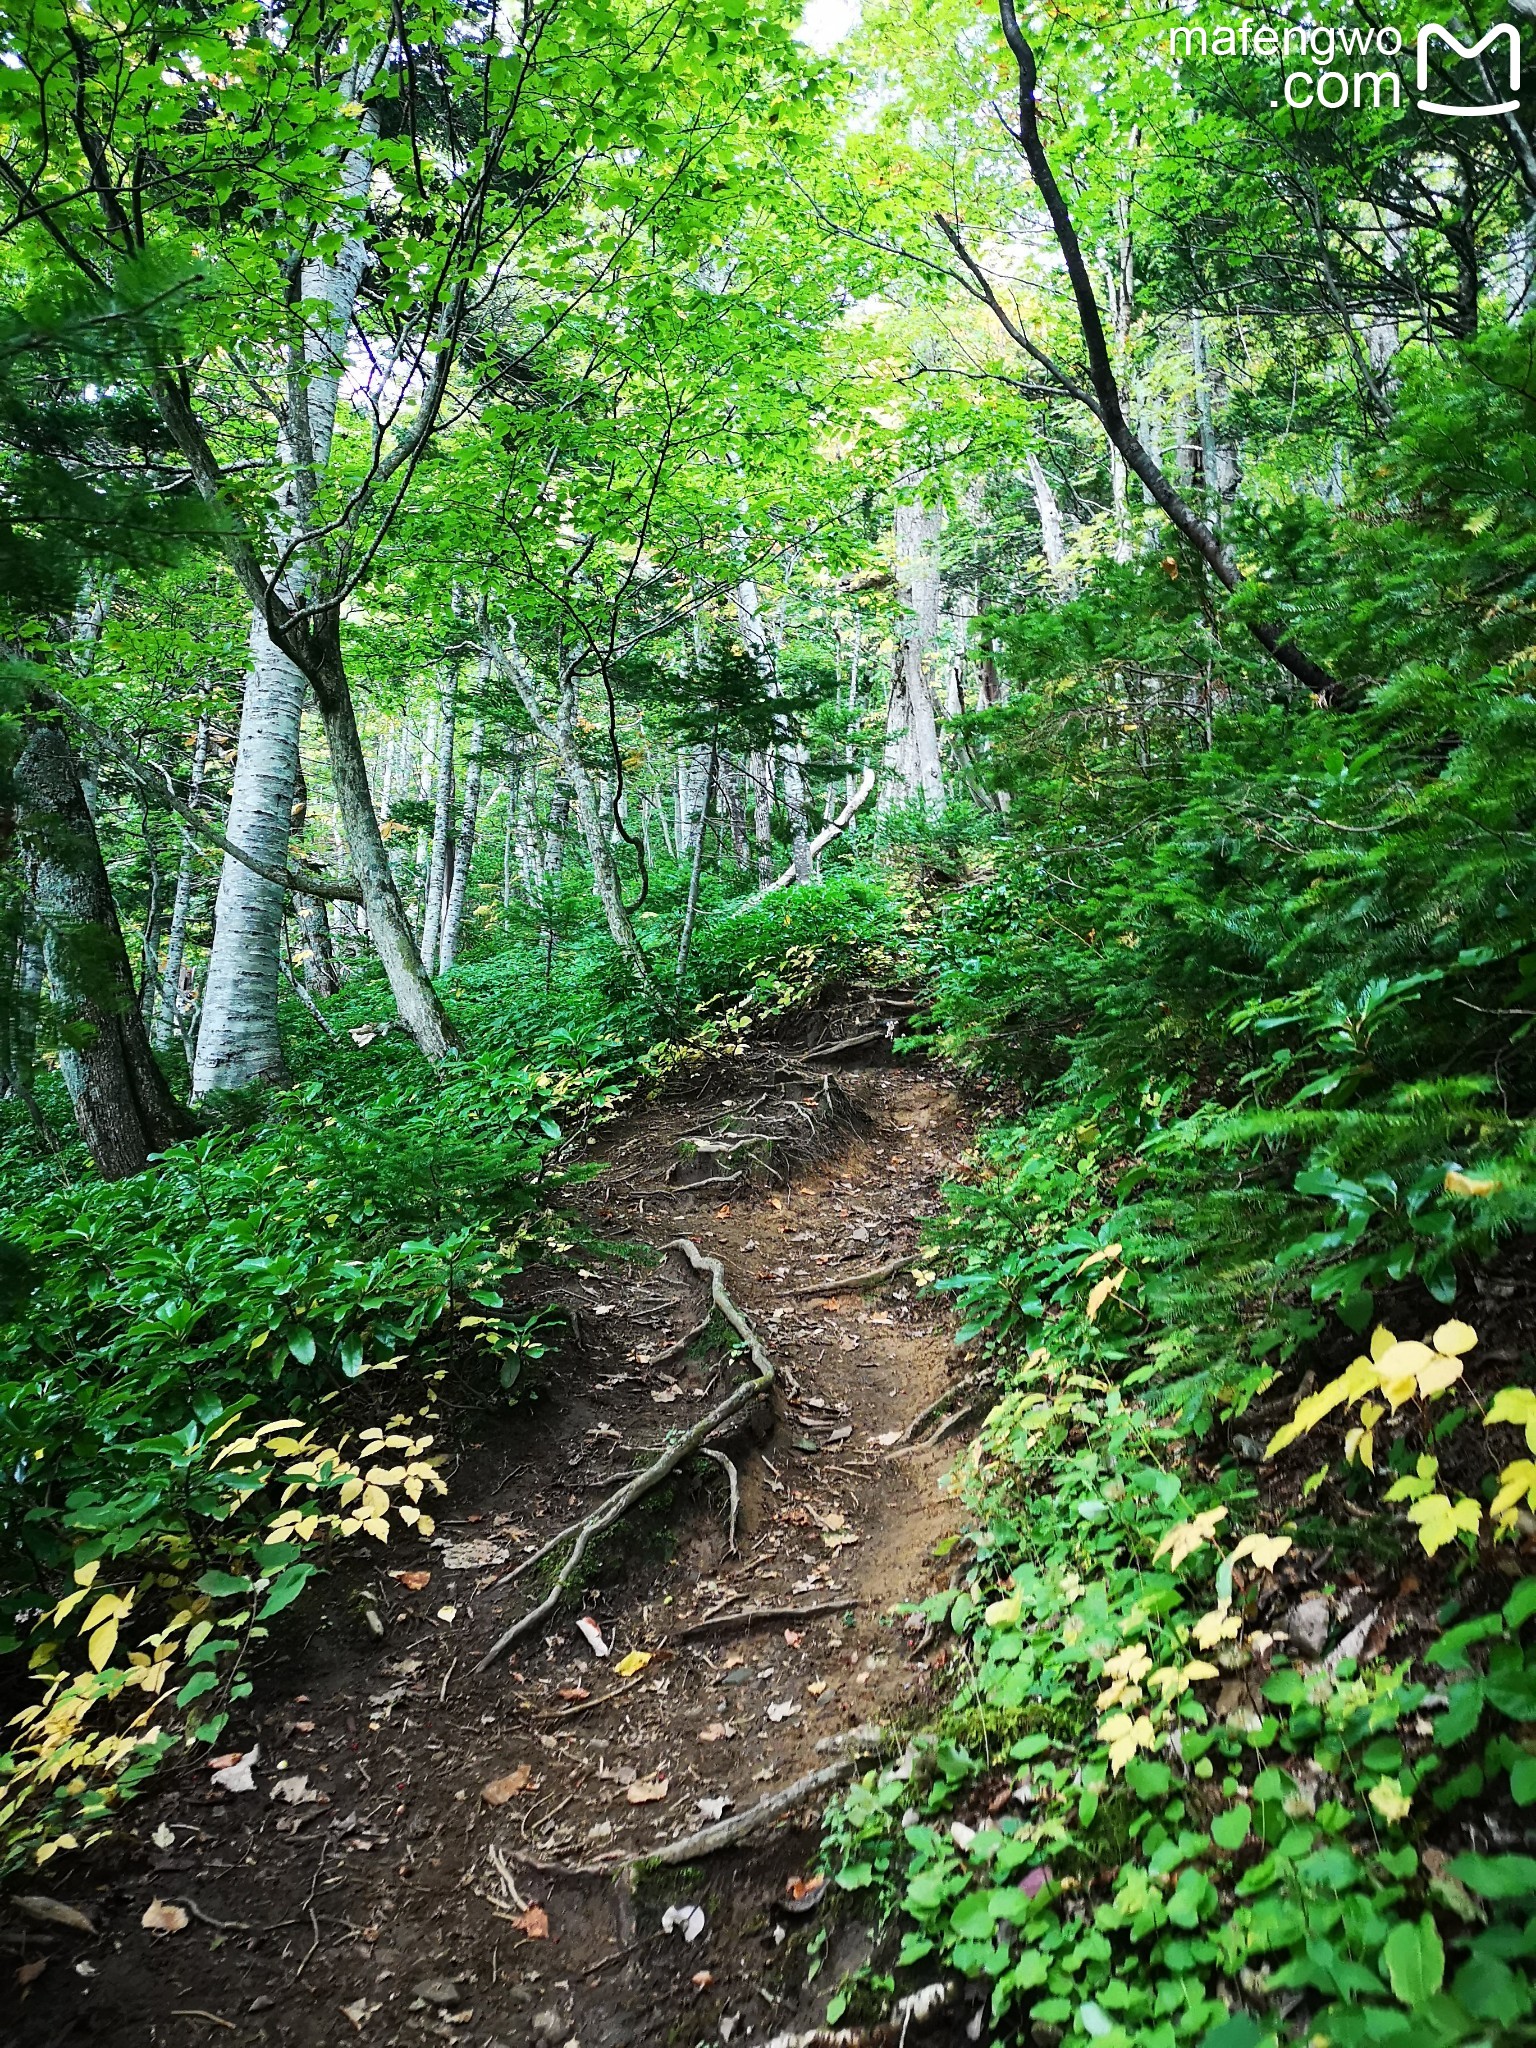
column 825, row 1052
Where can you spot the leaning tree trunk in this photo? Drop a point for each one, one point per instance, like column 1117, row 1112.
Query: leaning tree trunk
column 469, row 825
column 123, row 1105
column 417, row 1001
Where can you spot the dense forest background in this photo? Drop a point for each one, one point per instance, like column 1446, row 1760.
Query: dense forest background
column 535, row 539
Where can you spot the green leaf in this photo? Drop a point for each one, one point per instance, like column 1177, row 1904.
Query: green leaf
column 285, row 1589
column 1414, row 1960
column 221, row 1585
column 1522, row 1781
column 1496, row 1877
column 1229, row 1830
column 1242, row 2030
column 301, row 1345
column 1521, row 1604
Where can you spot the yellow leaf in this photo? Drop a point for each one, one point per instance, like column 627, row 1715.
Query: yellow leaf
column 1361, row 1444
column 1108, row 1251
column 1516, row 1482
column 1390, row 1800
column 1217, row 1626
column 1439, row 1374
column 1003, row 1613
column 1124, row 1737
column 1101, row 1290
column 1468, row 1184
column 1187, row 1538
column 425, row 1525
column 635, row 1661
column 375, row 1502
column 1440, row 1519
column 1382, row 1341
column 1197, row 1669
column 1266, row 1551
column 85, row 1574
column 102, row 1644
column 1516, row 1406
column 1454, row 1338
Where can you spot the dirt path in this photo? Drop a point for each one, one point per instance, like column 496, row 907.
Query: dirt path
column 388, row 1901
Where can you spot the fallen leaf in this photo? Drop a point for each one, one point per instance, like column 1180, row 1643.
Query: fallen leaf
column 52, row 1912
column 360, row 2010
column 717, row 1731
column 702, row 1979
column 161, row 1918
column 593, row 1635
column 30, row 1972
column 500, row 1790
column 664, row 1394
column 816, row 1688
column 234, row 1775
column 714, row 1809
column 296, row 1790
column 635, row 1661
column 687, row 1920
column 447, row 1614
column 164, row 1837
column 534, row 1923
column 803, row 1894
column 574, row 1692
column 886, row 1439
column 781, row 1710
column 794, row 1637
column 645, row 1791
column 413, row 1582
column 838, row 1539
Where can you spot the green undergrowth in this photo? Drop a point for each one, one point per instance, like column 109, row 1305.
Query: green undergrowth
column 1146, row 1818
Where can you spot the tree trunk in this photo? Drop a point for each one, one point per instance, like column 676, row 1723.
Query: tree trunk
column 691, row 910
column 123, row 1105
column 237, row 1041
column 415, row 998
column 761, row 769
column 464, row 859
column 558, row 730
column 1053, row 539
column 912, row 726
column 442, row 824
column 164, row 1025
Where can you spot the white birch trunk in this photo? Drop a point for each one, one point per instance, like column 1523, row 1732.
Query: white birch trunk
column 442, row 826
column 237, row 1040
column 453, row 923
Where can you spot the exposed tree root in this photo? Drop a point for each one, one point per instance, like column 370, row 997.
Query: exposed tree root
column 907, row 2015
column 723, row 1834
column 844, row 1283
column 749, row 1617
column 611, row 1510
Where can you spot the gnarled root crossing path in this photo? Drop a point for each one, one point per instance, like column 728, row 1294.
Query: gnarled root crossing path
column 438, row 1852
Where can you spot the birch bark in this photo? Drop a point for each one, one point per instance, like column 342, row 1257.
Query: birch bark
column 469, row 824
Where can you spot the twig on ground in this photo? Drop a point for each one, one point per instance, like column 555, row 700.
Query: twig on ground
column 749, row 1617
column 847, row 1281
column 586, row 1706
column 610, row 1511
column 721, row 1459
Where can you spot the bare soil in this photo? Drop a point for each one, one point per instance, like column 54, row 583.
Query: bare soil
column 400, row 1905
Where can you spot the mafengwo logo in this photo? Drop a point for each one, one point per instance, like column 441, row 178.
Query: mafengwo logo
column 1314, row 74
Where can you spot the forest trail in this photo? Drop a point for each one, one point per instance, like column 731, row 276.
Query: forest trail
column 367, row 1890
